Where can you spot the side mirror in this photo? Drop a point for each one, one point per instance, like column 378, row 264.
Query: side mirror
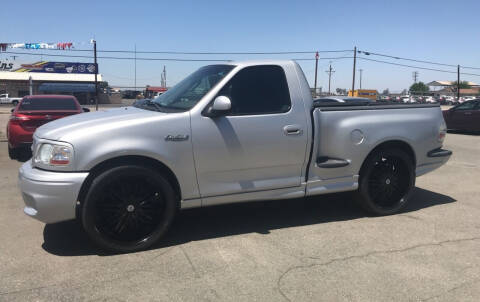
column 85, row 109
column 13, row 109
column 221, row 106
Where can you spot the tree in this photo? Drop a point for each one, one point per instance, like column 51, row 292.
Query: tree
column 386, row 92
column 419, row 88
column 341, row 91
column 463, row 85
column 404, row 92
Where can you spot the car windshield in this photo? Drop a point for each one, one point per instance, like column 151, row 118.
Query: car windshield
column 48, row 104
column 188, row 92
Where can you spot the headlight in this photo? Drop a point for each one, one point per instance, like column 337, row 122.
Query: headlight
column 53, row 155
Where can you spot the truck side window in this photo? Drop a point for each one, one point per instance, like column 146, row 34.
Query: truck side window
column 258, row 90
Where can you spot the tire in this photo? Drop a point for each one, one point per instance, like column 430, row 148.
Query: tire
column 128, row 208
column 13, row 153
column 14, row 103
column 387, row 180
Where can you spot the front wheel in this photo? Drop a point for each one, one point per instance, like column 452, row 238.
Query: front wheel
column 15, row 103
column 13, row 153
column 128, row 208
column 387, row 179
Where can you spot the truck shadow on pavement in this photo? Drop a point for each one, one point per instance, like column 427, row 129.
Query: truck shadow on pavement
column 69, row 239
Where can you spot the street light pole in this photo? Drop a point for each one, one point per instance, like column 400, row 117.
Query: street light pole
column 96, row 72
column 135, row 82
column 316, row 70
column 354, row 66
column 458, row 82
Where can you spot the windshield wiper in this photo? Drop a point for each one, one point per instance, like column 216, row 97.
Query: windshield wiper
column 154, row 104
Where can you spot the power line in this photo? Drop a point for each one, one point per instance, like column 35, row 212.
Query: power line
column 157, row 59
column 119, row 58
column 414, row 60
column 203, row 52
column 418, row 67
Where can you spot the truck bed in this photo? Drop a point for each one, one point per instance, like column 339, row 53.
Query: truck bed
column 368, row 106
column 344, row 135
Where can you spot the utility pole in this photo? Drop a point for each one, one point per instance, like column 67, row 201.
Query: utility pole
column 458, row 82
column 316, row 70
column 329, row 71
column 361, row 71
column 135, row 81
column 415, row 76
column 96, row 72
column 30, row 84
column 354, row 66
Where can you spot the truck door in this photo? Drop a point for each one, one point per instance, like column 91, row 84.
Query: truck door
column 261, row 144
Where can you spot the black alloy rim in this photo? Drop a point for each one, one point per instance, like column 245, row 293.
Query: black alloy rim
column 388, row 182
column 129, row 210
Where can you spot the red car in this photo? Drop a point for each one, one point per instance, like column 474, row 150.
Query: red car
column 465, row 116
column 34, row 111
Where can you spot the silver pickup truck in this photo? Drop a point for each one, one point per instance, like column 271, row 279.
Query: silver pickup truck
column 5, row 99
column 234, row 132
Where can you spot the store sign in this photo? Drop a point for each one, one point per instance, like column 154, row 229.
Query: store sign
column 58, row 67
column 6, row 66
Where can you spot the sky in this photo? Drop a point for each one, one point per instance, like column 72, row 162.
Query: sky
column 439, row 31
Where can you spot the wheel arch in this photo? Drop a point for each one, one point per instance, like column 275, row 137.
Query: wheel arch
column 130, row 159
column 392, row 144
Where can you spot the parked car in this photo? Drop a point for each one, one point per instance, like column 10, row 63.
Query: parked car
column 5, row 99
column 34, row 111
column 407, row 99
column 465, row 116
column 429, row 99
column 342, row 99
column 449, row 100
column 233, row 132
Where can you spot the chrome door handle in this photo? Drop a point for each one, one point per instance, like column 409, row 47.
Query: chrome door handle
column 292, row 130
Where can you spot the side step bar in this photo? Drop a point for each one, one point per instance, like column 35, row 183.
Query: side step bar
column 328, row 162
column 439, row 153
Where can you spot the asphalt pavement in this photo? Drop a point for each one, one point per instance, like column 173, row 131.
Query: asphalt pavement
column 317, row 249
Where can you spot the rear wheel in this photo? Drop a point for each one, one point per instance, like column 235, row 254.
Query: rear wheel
column 14, row 103
column 128, row 208
column 386, row 181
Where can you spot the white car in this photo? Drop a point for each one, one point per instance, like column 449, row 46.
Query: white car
column 407, row 99
column 429, row 100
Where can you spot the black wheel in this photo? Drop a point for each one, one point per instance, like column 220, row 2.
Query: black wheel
column 387, row 179
column 128, row 208
column 13, row 153
column 14, row 103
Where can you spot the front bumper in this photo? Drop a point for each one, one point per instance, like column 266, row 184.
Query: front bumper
column 49, row 196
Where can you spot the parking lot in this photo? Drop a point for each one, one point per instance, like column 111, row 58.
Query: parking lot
column 318, row 249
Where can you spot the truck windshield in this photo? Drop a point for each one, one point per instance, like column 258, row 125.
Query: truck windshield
column 189, row 91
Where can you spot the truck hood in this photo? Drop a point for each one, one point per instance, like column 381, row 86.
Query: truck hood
column 93, row 123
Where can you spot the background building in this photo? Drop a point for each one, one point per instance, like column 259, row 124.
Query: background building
column 45, row 77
